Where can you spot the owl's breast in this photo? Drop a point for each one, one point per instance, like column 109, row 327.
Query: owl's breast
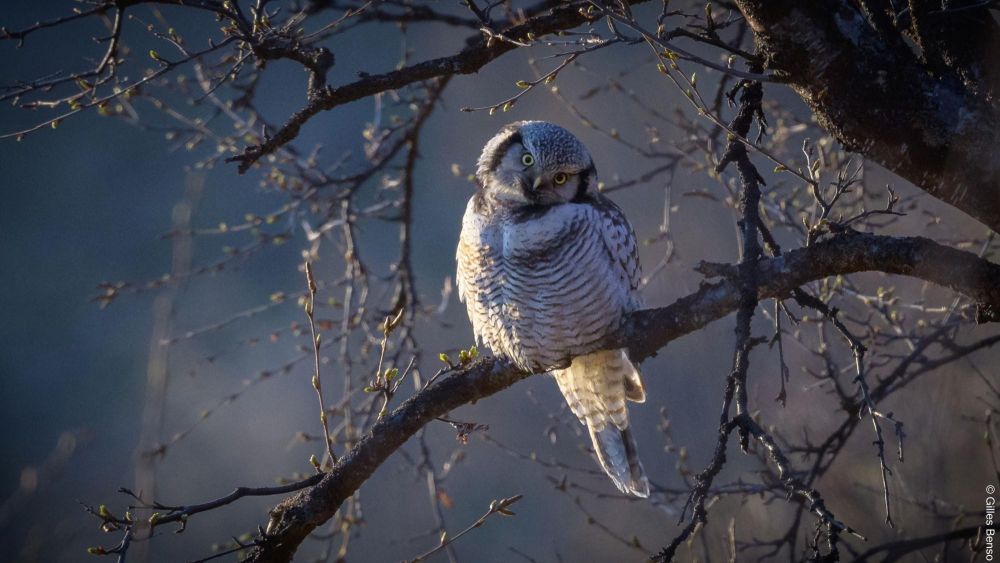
column 544, row 289
column 560, row 295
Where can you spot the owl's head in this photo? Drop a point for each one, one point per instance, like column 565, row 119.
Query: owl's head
column 531, row 163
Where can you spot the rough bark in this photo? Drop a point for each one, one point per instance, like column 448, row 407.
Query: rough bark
column 877, row 96
column 958, row 41
column 647, row 332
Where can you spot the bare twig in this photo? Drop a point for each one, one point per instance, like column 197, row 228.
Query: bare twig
column 501, row 507
column 317, row 381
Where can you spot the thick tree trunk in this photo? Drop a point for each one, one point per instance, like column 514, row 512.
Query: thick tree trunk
column 871, row 90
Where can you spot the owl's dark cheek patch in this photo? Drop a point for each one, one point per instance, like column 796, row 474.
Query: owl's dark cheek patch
column 583, row 186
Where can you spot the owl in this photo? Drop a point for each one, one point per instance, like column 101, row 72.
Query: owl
column 548, row 268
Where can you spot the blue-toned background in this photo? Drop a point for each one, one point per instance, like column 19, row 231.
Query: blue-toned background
column 89, row 202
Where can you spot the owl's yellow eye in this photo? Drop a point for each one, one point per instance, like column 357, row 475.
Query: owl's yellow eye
column 527, row 159
column 560, row 178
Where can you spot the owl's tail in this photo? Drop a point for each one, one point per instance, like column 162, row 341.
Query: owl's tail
column 596, row 387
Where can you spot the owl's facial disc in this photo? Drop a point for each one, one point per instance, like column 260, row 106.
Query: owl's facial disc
column 533, row 163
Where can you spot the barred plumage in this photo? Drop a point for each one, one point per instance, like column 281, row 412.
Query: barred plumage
column 548, row 268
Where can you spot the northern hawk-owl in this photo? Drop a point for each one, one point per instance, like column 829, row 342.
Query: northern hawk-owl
column 548, row 268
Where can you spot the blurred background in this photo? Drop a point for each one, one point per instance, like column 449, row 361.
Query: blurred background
column 91, row 202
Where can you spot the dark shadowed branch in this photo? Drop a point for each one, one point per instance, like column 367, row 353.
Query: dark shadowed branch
column 481, row 51
column 902, row 550
column 936, row 131
column 750, row 111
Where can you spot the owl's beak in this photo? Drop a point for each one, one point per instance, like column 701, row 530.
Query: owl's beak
column 537, row 183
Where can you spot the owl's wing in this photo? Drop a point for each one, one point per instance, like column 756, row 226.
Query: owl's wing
column 619, row 239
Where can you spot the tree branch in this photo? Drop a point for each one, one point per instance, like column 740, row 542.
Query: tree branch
column 481, row 51
column 955, row 39
column 646, row 332
column 876, row 97
column 746, row 276
column 901, row 549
